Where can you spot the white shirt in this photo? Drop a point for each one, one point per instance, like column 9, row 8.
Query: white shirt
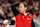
column 25, row 14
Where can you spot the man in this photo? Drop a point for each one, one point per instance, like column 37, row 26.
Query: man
column 22, row 18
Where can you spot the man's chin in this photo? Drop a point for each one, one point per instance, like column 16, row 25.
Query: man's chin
column 20, row 12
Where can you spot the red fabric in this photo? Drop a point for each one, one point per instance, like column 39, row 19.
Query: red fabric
column 2, row 25
column 23, row 23
column 0, row 7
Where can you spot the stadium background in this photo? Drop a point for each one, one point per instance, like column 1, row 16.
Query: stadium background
column 6, row 12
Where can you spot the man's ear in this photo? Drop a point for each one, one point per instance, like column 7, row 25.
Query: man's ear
column 25, row 8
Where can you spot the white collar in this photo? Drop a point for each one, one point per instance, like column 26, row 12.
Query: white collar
column 25, row 14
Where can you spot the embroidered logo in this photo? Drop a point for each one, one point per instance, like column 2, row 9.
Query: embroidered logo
column 28, row 18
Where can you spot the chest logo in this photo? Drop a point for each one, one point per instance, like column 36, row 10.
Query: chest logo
column 28, row 18
column 23, row 17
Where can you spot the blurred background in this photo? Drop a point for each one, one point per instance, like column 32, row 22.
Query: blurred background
column 33, row 8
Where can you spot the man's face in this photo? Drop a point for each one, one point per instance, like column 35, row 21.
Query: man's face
column 22, row 8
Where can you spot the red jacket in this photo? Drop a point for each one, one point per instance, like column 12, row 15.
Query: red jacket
column 21, row 19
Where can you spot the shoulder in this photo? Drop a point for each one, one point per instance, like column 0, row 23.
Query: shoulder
column 30, row 15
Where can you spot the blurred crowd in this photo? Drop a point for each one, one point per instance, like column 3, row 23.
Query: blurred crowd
column 6, row 12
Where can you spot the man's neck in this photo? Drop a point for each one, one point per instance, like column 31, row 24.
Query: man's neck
column 24, row 12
